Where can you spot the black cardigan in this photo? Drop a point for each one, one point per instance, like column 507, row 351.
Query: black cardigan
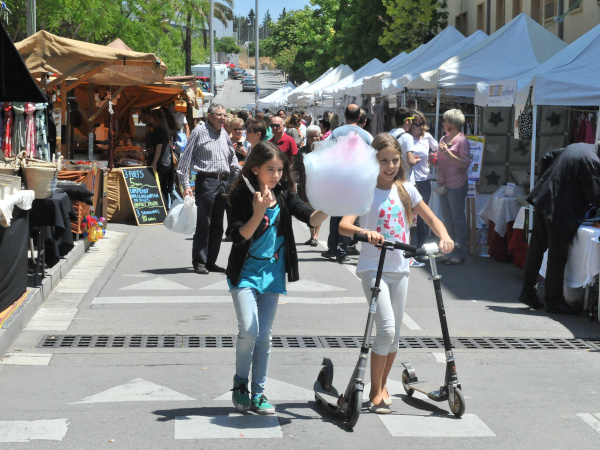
column 241, row 212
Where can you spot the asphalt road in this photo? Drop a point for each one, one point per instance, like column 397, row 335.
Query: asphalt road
column 138, row 282
column 232, row 96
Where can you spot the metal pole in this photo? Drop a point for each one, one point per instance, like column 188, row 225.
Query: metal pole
column 561, row 10
column 532, row 164
column 256, row 62
column 31, row 17
column 488, row 7
column 437, row 114
column 213, row 79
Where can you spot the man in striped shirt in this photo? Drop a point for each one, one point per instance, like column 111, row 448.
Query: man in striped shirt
column 211, row 154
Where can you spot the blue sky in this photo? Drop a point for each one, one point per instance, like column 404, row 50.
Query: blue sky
column 242, row 7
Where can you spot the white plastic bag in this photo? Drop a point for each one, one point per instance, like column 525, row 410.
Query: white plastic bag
column 182, row 217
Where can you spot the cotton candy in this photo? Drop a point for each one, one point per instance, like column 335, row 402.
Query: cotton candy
column 341, row 176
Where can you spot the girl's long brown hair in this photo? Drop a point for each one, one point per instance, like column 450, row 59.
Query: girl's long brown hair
column 259, row 155
column 383, row 141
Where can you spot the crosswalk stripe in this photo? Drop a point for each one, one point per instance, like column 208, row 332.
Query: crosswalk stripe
column 218, row 299
column 25, row 431
column 406, row 425
column 591, row 420
column 26, row 359
column 244, row 426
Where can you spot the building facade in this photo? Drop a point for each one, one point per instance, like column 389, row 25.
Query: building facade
column 567, row 19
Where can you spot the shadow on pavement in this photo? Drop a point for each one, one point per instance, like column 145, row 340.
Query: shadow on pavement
column 170, row 271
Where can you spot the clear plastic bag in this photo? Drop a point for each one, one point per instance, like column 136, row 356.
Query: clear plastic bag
column 182, row 217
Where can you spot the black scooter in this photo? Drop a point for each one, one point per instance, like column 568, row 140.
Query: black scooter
column 349, row 404
column 451, row 389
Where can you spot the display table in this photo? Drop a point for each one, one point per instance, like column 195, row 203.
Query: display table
column 584, row 258
column 54, row 215
column 13, row 258
column 517, row 244
column 500, row 213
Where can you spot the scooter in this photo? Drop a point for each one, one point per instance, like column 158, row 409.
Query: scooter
column 348, row 405
column 451, row 389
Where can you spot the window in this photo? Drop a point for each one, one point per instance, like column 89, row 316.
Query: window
column 576, row 5
column 549, row 9
column 499, row 14
column 536, row 8
column 461, row 23
column 481, row 17
column 516, row 8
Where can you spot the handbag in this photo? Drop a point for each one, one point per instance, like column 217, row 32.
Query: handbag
column 440, row 190
column 525, row 120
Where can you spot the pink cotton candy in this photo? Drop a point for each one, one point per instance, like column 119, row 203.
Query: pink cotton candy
column 341, row 176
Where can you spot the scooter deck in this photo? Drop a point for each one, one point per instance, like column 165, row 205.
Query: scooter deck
column 430, row 388
column 330, row 397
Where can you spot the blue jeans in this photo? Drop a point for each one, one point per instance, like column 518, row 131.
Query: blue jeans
column 455, row 220
column 255, row 313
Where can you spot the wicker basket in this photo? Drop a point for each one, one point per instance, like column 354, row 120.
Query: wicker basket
column 11, row 166
column 40, row 176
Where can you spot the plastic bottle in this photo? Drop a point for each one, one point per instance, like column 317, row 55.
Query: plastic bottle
column 482, row 242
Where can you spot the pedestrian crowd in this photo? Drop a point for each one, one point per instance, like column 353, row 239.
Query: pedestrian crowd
column 252, row 169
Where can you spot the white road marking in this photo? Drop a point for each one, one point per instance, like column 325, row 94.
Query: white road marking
column 50, row 318
column 409, row 322
column 155, row 284
column 25, row 431
column 302, row 285
column 27, row 359
column 245, row 426
column 219, row 299
column 440, row 357
column 591, row 420
column 137, row 390
column 279, row 390
column 405, row 425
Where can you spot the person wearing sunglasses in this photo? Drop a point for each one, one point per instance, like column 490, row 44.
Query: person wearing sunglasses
column 238, row 139
column 423, row 144
column 404, row 118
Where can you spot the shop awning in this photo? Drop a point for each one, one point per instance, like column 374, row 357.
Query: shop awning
column 46, row 53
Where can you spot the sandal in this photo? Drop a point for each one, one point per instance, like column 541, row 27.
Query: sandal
column 454, row 261
column 381, row 408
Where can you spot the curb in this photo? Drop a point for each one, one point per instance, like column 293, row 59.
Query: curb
column 36, row 296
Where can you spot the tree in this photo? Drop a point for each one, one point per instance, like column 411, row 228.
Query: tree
column 266, row 23
column 410, row 23
column 226, row 44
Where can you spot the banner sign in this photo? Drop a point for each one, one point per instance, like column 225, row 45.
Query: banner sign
column 502, row 93
column 477, row 144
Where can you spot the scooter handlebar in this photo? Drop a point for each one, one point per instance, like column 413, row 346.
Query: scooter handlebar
column 409, row 250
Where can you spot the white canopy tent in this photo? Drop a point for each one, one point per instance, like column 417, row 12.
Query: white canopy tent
column 283, row 99
column 271, row 100
column 333, row 92
column 301, row 97
column 355, row 89
column 422, row 65
column 382, row 81
column 522, row 44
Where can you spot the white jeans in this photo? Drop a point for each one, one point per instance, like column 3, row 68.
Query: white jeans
column 390, row 308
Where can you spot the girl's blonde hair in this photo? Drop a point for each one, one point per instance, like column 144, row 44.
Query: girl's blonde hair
column 384, row 141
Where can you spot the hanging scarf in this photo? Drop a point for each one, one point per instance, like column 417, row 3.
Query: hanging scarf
column 42, row 149
column 6, row 137
column 30, row 140
column 1, row 124
column 19, row 129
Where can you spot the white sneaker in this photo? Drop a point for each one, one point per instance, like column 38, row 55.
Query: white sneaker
column 414, row 263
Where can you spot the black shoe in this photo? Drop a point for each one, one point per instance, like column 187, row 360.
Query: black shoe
column 200, row 269
column 328, row 255
column 531, row 300
column 562, row 309
column 353, row 252
column 309, row 242
column 214, row 268
column 314, row 243
column 342, row 259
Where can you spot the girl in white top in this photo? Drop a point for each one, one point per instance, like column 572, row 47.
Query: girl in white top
column 389, row 218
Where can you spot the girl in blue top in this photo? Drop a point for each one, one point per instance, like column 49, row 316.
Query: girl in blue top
column 263, row 201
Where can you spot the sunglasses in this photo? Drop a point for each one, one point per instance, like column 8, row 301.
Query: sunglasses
column 420, row 124
column 275, row 126
column 238, row 129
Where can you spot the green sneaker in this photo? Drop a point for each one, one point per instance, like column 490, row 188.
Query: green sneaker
column 240, row 395
column 260, row 405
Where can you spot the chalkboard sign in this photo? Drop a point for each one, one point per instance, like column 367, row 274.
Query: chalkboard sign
column 145, row 195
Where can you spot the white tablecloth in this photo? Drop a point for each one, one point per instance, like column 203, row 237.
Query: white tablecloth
column 501, row 210
column 584, row 258
column 22, row 199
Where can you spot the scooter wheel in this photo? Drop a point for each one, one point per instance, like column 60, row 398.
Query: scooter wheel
column 459, row 403
column 407, row 389
column 354, row 407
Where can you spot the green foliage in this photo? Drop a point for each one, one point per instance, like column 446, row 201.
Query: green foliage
column 227, row 44
column 410, row 23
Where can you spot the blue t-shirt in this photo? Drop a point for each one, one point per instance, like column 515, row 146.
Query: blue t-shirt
column 348, row 129
column 264, row 269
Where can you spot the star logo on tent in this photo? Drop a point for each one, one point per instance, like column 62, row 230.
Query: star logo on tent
column 554, row 119
column 496, row 119
column 493, row 178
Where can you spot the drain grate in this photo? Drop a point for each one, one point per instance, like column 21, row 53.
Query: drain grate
column 304, row 342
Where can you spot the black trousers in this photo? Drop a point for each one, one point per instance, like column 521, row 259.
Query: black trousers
column 210, row 203
column 424, row 188
column 545, row 237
